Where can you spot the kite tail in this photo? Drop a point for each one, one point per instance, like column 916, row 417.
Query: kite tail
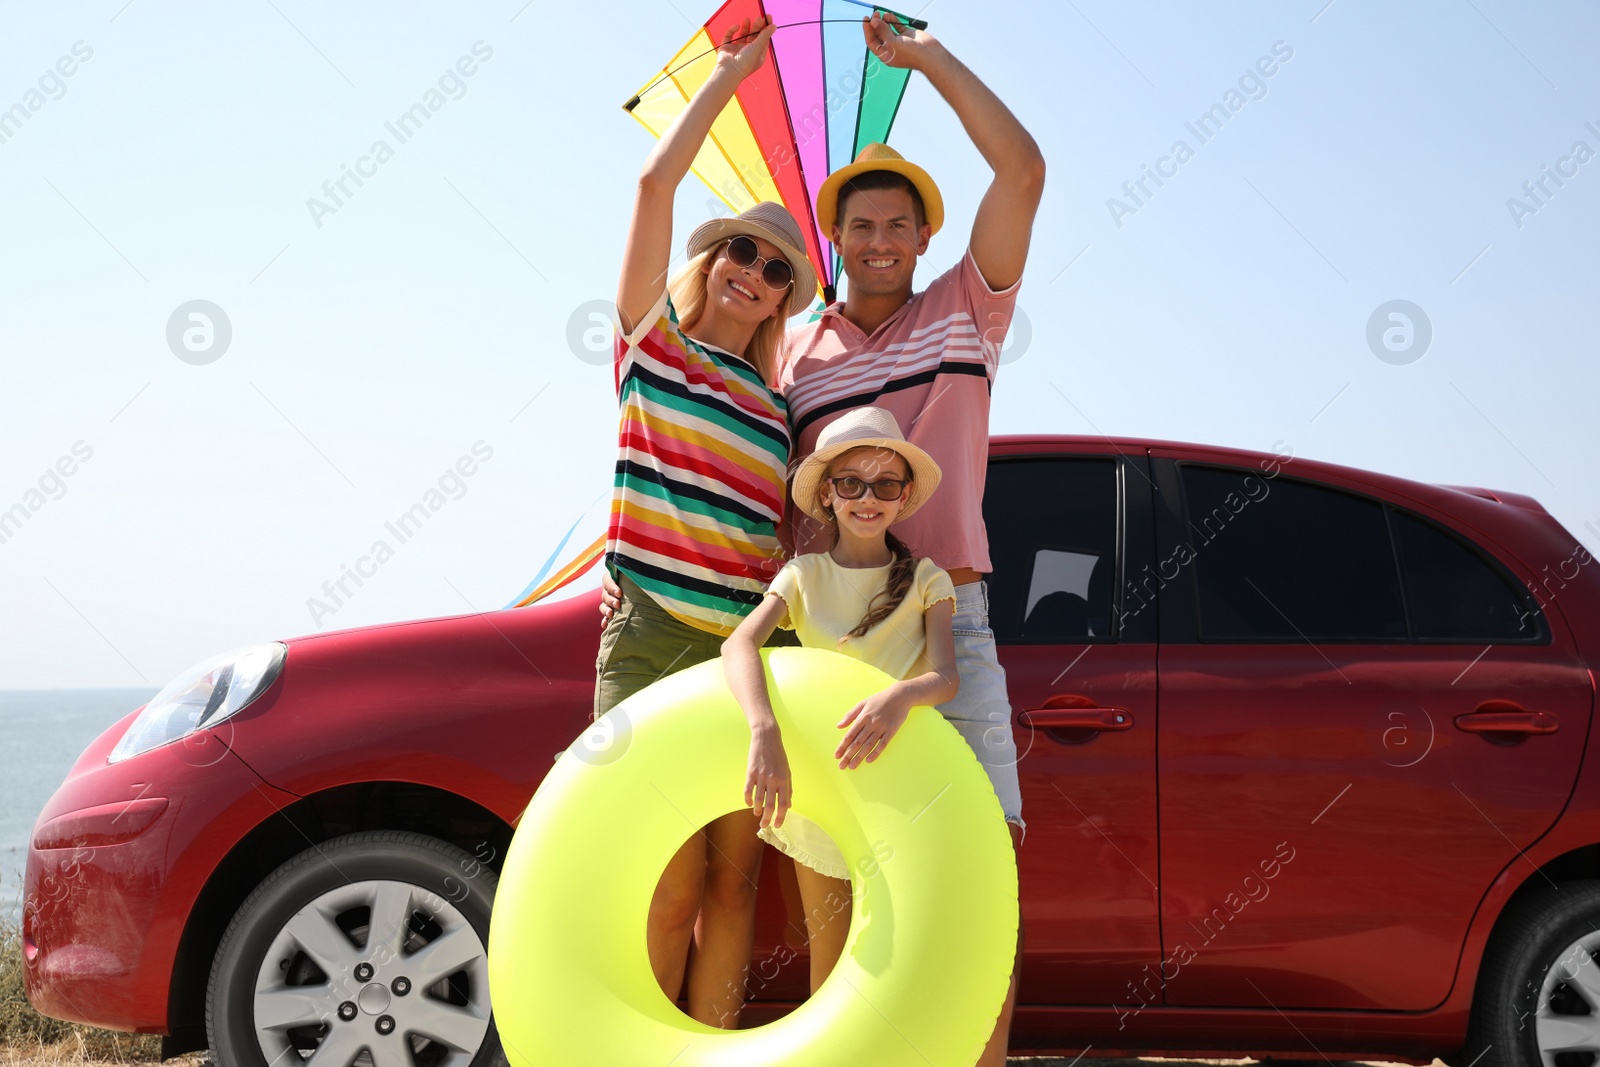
column 566, row 575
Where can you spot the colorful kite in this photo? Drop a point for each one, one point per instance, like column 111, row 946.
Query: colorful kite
column 819, row 99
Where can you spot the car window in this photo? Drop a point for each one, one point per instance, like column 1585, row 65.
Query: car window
column 1453, row 592
column 1053, row 542
column 1276, row 558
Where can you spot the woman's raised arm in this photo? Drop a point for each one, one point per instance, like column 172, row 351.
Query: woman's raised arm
column 648, row 252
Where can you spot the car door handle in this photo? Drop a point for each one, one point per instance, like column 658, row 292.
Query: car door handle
column 1048, row 718
column 1501, row 721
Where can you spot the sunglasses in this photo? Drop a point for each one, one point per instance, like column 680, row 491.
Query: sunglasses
column 852, row 488
column 775, row 272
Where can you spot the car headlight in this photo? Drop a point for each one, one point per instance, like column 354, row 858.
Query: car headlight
column 201, row 697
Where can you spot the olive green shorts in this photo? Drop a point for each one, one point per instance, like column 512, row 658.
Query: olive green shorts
column 642, row 643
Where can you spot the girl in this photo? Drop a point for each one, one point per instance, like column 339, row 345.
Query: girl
column 703, row 447
column 868, row 598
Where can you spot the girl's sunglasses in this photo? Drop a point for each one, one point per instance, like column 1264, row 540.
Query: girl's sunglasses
column 852, row 488
column 775, row 272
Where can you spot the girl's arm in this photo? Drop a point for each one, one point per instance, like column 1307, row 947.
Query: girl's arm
column 767, row 786
column 876, row 720
column 646, row 256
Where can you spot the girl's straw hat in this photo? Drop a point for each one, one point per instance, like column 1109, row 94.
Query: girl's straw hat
column 772, row 221
column 864, row 428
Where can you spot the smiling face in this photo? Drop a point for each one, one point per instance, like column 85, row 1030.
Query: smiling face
column 738, row 292
column 866, row 516
column 878, row 238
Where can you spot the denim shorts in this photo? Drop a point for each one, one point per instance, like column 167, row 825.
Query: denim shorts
column 981, row 710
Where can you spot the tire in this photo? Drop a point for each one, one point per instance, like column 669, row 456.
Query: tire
column 1538, row 997
column 303, row 967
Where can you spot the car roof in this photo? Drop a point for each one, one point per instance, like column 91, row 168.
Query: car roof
column 1432, row 494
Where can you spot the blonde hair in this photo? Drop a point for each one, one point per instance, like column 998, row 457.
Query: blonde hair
column 688, row 291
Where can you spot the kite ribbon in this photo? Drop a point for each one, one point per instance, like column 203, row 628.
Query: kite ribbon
column 569, row 573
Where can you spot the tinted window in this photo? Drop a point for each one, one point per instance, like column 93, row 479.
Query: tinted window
column 1276, row 558
column 1453, row 592
column 1053, row 542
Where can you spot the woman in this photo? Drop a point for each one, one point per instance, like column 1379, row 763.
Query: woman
column 703, row 446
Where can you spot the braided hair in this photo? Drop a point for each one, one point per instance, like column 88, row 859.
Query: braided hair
column 894, row 590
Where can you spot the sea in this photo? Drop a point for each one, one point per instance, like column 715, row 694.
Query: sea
column 45, row 730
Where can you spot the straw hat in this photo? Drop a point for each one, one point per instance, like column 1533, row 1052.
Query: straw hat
column 864, row 428
column 771, row 221
column 878, row 157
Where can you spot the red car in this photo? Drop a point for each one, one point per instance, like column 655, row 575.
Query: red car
column 1303, row 758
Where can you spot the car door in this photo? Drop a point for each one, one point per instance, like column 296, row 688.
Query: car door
column 1364, row 718
column 1065, row 530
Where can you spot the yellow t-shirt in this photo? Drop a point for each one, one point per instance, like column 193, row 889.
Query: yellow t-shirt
column 826, row 601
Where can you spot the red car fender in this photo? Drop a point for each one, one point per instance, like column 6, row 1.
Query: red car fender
column 117, row 958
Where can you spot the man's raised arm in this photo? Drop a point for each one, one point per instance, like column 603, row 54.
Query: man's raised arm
column 1004, row 222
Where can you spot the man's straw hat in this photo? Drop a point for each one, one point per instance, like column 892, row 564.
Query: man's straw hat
column 877, row 156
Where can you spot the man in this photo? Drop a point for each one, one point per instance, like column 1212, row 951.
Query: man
column 930, row 359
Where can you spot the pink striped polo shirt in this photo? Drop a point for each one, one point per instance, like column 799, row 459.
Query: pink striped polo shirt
column 932, row 365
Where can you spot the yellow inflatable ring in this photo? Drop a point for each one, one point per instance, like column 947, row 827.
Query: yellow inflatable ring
column 934, row 922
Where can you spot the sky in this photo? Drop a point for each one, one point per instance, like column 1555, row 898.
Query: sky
column 427, row 335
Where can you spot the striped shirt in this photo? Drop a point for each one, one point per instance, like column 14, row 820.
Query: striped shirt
column 931, row 364
column 702, row 453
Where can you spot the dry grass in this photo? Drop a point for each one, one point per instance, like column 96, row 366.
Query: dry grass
column 75, row 1051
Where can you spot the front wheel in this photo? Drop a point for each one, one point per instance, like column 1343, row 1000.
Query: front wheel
column 371, row 946
column 1538, row 996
